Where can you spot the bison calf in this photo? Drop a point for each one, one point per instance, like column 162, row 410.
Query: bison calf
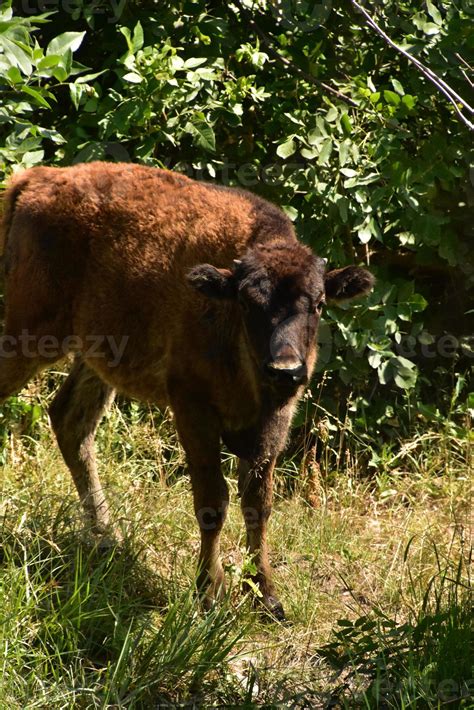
column 175, row 292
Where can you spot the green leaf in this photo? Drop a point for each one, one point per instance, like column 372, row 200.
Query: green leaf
column 60, row 73
column 76, row 91
column 342, row 206
column 204, row 135
column 89, row 77
column 253, row 586
column 409, row 101
column 434, row 13
column 381, row 345
column 402, row 362
column 325, row 153
column 128, row 37
column 286, row 149
column 137, row 38
column 132, row 78
column 346, row 124
column 391, row 97
column 314, row 136
column 374, row 360
column 430, row 28
column 48, row 62
column 194, row 62
column 91, row 105
column 385, row 372
column 332, row 114
column 7, row 12
column 398, row 87
column 418, row 302
column 67, row 41
column 309, row 153
column 364, row 235
column 291, row 212
column 14, row 75
column 50, row 134
column 176, row 63
column 405, row 378
column 426, row 338
column 16, row 55
column 349, row 172
column 36, row 96
column 343, row 152
column 32, row 157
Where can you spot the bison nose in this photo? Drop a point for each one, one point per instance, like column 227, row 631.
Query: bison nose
column 293, row 370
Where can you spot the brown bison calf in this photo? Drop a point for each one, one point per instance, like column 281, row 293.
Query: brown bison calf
column 176, row 292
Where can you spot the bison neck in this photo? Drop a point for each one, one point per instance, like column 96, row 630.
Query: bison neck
column 255, row 417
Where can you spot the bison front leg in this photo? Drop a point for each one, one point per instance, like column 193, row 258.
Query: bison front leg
column 211, row 500
column 256, row 491
column 199, row 435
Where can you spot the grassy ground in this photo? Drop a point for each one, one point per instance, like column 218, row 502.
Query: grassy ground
column 374, row 577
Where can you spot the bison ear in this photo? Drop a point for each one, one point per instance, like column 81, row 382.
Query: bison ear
column 349, row 282
column 212, row 282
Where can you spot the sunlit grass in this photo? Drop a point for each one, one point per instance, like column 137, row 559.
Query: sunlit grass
column 373, row 571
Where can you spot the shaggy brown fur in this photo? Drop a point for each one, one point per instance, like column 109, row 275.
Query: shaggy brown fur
column 175, row 292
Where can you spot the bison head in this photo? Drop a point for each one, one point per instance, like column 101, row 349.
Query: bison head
column 281, row 288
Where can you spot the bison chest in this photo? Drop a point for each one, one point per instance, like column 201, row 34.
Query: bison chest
column 239, row 415
column 238, row 399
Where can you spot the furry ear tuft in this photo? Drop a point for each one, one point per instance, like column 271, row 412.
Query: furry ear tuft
column 347, row 283
column 212, row 282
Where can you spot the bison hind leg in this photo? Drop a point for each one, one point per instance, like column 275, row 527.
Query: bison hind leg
column 75, row 414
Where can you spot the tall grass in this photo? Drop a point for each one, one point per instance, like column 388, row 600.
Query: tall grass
column 423, row 656
column 373, row 570
column 85, row 627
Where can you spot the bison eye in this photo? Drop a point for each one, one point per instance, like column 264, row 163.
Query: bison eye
column 320, row 306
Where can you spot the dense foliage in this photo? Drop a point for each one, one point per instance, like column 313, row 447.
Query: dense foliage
column 252, row 94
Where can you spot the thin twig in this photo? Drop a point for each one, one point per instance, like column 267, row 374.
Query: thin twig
column 471, row 83
column 441, row 85
column 290, row 66
column 463, row 71
column 463, row 61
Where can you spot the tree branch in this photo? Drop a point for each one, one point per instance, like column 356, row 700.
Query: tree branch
column 440, row 84
column 290, row 66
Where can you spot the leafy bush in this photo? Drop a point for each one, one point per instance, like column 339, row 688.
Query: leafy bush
column 31, row 78
column 315, row 112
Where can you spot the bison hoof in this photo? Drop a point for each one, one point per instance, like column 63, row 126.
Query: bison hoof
column 107, row 540
column 274, row 608
column 211, row 593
